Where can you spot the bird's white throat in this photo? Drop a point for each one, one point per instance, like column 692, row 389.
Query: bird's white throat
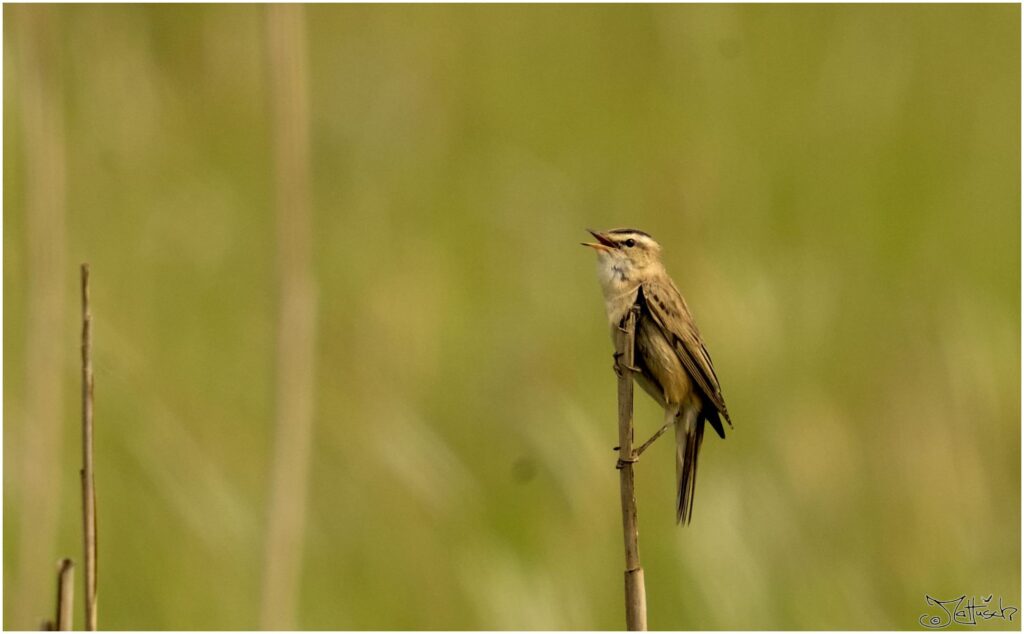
column 619, row 284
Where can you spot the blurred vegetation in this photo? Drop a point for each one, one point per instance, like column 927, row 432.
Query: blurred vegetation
column 837, row 190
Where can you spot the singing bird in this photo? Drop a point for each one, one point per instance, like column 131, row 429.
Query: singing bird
column 671, row 362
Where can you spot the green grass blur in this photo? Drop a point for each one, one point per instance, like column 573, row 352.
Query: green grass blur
column 837, row 191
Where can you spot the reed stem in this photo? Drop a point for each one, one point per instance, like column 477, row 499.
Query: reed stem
column 87, row 473
column 65, row 595
column 636, row 596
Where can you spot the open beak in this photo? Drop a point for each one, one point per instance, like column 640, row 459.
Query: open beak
column 603, row 242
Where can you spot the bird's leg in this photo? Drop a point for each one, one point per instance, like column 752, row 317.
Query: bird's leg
column 618, row 367
column 651, row 440
column 636, row 452
column 671, row 413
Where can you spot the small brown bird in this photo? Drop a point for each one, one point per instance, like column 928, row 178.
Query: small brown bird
column 672, row 364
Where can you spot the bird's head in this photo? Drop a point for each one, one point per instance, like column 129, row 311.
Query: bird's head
column 624, row 255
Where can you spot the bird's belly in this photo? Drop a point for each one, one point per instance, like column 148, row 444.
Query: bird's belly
column 662, row 374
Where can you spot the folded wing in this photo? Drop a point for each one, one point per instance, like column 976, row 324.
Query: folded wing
column 672, row 316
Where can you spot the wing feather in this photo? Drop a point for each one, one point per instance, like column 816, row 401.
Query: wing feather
column 670, row 312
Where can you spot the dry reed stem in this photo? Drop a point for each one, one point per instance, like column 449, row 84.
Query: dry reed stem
column 65, row 595
column 636, row 596
column 87, row 473
column 286, row 510
column 36, row 100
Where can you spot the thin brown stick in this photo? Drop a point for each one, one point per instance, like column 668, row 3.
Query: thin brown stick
column 65, row 595
column 87, row 473
column 636, row 596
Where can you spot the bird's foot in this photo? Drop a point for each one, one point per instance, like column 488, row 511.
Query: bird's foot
column 618, row 367
column 620, row 463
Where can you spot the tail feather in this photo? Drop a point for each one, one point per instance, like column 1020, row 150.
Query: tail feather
column 689, row 435
column 713, row 417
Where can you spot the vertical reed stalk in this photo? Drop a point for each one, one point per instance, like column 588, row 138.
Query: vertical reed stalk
column 87, row 473
column 296, row 324
column 636, row 596
column 65, row 595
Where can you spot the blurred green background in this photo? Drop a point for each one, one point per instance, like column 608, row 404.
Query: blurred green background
column 837, row 191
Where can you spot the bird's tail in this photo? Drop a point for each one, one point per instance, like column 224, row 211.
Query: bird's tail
column 689, row 434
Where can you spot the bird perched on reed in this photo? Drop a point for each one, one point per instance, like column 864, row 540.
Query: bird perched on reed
column 672, row 364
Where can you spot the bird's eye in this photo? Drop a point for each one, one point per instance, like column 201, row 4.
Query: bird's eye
column 630, row 243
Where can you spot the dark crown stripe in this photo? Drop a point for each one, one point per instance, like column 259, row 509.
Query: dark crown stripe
column 627, row 231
